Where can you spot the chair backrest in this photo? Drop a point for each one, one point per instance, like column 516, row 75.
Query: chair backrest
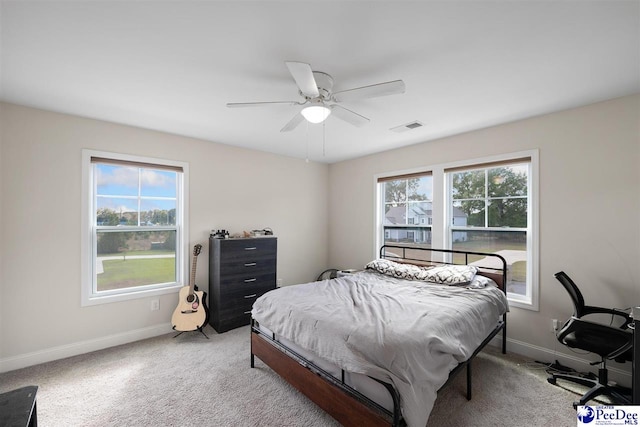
column 574, row 293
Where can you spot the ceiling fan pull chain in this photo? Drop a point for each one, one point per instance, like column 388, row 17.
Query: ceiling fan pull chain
column 307, row 138
column 323, row 139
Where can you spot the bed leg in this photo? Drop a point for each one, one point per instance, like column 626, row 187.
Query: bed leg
column 253, row 360
column 504, row 334
column 253, row 325
column 395, row 396
column 469, row 380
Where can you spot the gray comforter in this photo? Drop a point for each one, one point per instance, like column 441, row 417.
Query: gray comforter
column 409, row 333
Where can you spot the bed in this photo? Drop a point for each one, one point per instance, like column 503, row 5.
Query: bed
column 374, row 347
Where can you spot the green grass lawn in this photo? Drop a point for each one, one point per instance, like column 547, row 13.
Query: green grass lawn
column 119, row 273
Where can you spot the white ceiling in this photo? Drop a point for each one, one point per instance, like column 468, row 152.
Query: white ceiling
column 172, row 66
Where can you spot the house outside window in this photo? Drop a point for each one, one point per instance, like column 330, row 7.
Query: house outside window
column 406, row 207
column 481, row 205
column 134, row 217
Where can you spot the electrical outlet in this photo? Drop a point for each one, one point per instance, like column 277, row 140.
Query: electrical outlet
column 554, row 324
column 279, row 283
column 155, row 304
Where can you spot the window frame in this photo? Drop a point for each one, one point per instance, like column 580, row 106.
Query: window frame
column 89, row 294
column 441, row 226
column 381, row 207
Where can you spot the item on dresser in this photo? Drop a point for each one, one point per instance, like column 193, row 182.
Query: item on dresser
column 191, row 312
column 240, row 271
column 260, row 233
column 220, row 234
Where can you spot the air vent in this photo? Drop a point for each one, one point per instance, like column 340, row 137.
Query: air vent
column 408, row 126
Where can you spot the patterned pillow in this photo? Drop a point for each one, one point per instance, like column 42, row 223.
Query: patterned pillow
column 399, row 270
column 451, row 274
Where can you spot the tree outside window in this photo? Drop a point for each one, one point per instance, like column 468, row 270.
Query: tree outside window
column 495, row 203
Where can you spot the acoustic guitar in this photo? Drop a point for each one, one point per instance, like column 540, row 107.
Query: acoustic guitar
column 191, row 312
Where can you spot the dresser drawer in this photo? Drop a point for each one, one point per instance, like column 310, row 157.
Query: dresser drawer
column 247, row 249
column 230, row 286
column 247, row 267
column 231, row 323
column 234, row 308
column 241, row 303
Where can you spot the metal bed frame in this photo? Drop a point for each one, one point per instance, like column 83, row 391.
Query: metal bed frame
column 332, row 394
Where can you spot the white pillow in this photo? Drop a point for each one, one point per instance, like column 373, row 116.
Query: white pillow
column 480, row 282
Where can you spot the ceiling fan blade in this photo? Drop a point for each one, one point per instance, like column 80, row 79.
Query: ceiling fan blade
column 372, row 91
column 293, row 123
column 303, row 75
column 261, row 104
column 349, row 116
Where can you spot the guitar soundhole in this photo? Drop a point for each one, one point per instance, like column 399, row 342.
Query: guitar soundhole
column 191, row 298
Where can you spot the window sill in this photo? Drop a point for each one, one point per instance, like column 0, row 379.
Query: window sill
column 522, row 303
column 107, row 299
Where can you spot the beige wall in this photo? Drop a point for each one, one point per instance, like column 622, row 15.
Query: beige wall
column 589, row 206
column 589, row 217
column 232, row 188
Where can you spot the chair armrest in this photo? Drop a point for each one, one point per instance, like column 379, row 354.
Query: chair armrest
column 588, row 309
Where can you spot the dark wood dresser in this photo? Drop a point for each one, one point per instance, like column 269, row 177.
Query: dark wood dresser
column 240, row 270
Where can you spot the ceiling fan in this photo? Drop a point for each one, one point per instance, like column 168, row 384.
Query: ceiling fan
column 319, row 101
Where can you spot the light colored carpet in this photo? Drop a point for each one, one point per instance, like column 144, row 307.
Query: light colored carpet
column 192, row 381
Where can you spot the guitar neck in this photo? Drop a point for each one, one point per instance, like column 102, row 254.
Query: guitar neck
column 192, row 282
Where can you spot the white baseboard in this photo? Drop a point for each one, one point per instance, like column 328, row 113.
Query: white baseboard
column 74, row 349
column 576, row 362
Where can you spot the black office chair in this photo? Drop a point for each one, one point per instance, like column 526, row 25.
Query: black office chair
column 608, row 342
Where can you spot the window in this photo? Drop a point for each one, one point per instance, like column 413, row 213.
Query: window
column 489, row 210
column 134, row 214
column 406, row 207
column 486, row 205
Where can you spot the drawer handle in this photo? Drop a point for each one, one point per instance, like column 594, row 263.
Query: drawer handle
column 253, row 248
column 250, row 264
column 250, row 296
column 249, row 280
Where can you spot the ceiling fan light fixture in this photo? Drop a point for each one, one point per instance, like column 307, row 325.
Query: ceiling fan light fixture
column 316, row 113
